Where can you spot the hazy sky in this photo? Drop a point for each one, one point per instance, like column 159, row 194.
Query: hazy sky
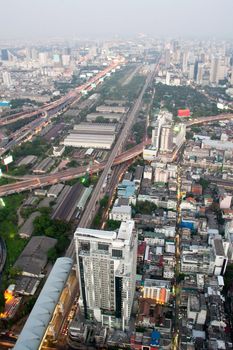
column 38, row 19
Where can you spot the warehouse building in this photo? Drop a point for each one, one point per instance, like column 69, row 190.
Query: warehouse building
column 98, row 128
column 33, row 258
column 115, row 102
column 112, row 109
column 26, row 230
column 44, row 166
column 55, row 190
column 107, row 116
column 88, row 135
column 90, row 141
column 28, row 160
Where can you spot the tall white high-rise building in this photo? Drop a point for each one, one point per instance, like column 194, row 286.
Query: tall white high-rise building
column 34, row 54
column 185, row 56
column 191, row 71
column 6, row 77
column 65, row 60
column 218, row 70
column 221, row 74
column 159, row 136
column 43, row 58
column 106, row 267
column 156, row 134
column 166, row 139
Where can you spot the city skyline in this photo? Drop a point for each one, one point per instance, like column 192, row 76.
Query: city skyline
column 116, row 175
column 49, row 19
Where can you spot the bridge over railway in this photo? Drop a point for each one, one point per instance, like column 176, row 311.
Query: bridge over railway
column 27, row 184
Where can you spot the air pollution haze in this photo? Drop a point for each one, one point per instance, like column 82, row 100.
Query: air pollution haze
column 105, row 18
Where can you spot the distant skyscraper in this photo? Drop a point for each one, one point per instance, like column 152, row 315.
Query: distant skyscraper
column 199, row 77
column 57, row 59
column 43, row 58
column 214, row 70
column 67, row 51
column 191, row 71
column 34, row 54
column 65, row 60
column 221, row 73
column 195, row 70
column 185, row 61
column 28, row 53
column 6, row 77
column 4, row 55
column 106, row 263
column 218, row 70
column 167, row 58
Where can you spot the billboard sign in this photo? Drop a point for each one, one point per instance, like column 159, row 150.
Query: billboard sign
column 7, row 160
column 184, row 113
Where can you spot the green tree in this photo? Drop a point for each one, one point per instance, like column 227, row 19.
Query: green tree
column 104, row 201
column 112, row 225
column 144, row 207
column 52, row 255
column 101, row 119
column 204, row 183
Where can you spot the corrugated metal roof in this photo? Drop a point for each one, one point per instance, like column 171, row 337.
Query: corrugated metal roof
column 41, row 314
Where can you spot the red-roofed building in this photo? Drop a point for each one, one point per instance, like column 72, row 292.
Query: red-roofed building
column 196, row 189
column 141, row 251
column 191, row 200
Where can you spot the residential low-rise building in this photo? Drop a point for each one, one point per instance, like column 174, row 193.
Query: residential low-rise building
column 120, row 213
column 158, row 290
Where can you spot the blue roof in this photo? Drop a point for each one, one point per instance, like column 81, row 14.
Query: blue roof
column 126, row 189
column 155, row 337
column 4, row 104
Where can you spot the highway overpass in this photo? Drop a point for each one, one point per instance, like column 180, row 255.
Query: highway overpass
column 33, row 182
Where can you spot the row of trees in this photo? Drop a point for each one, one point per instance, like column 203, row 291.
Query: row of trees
column 98, row 218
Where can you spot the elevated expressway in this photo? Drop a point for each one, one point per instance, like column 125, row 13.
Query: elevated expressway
column 30, row 183
column 45, row 113
column 210, row 119
column 68, row 99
